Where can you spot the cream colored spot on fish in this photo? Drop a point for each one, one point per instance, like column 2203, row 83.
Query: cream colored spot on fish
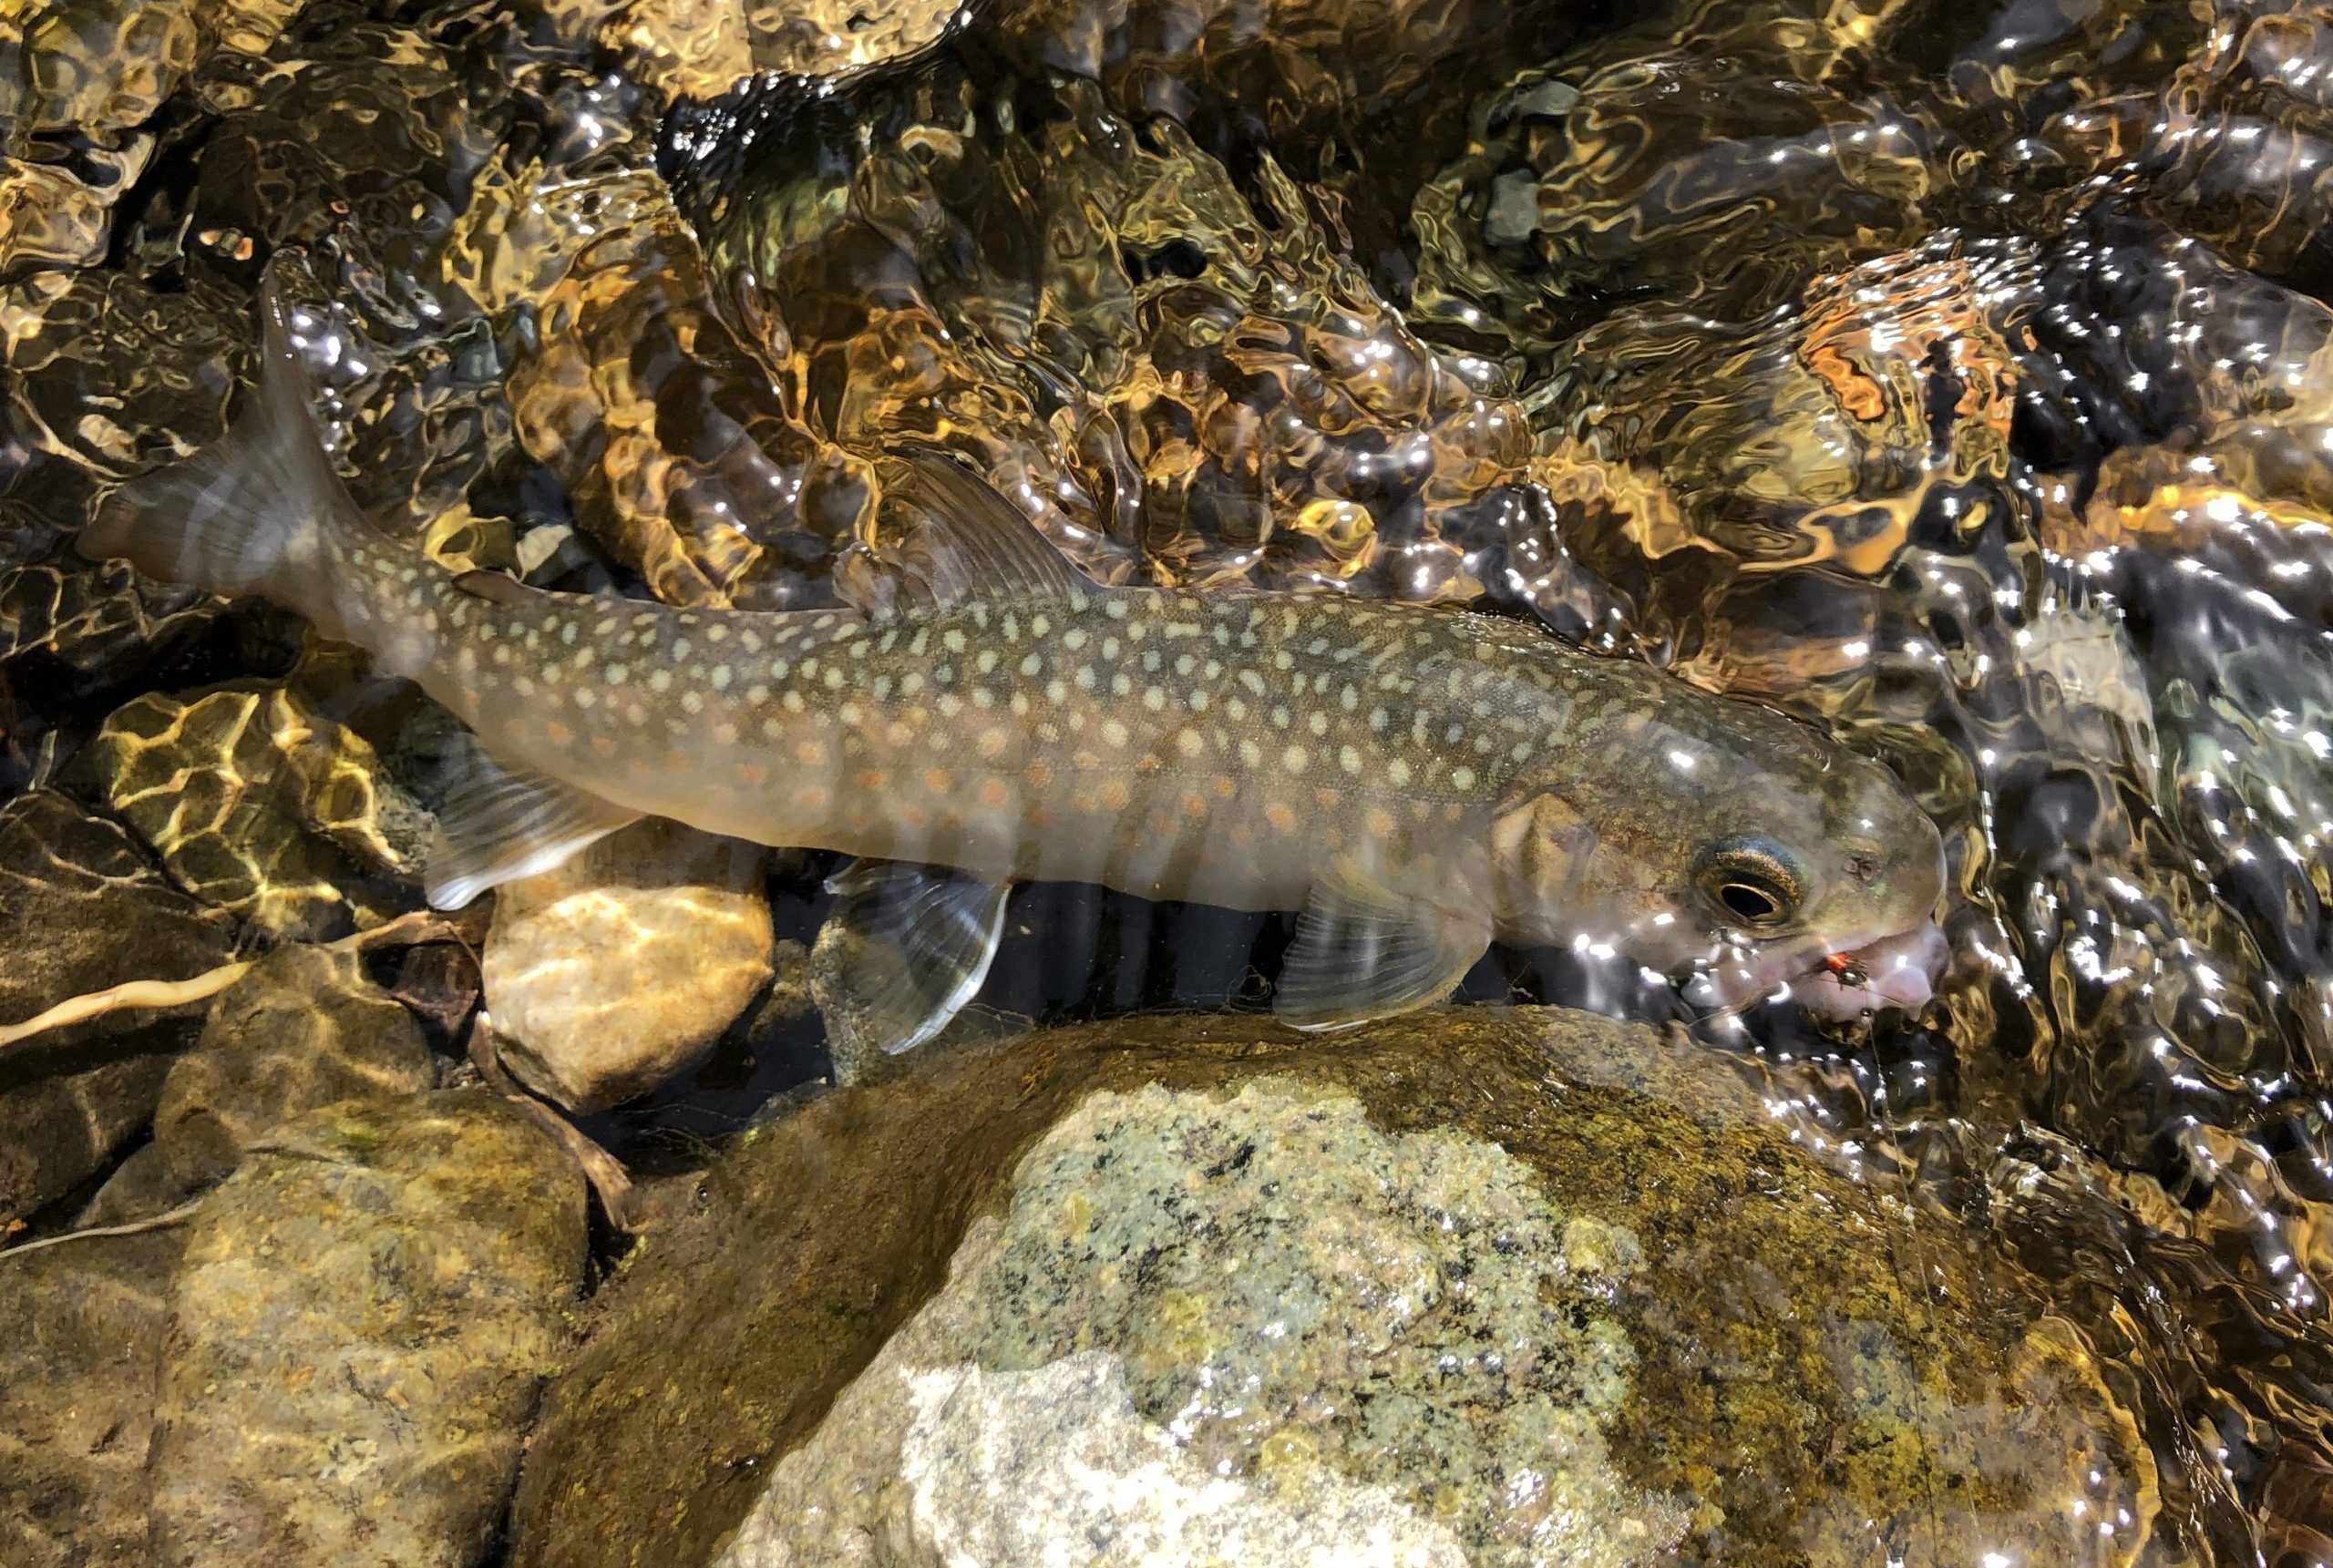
column 771, row 729
column 1251, row 754
column 834, row 677
column 1190, row 742
column 1113, row 731
column 985, row 660
column 1074, row 639
column 793, row 704
column 720, row 677
column 949, row 704
column 953, row 640
column 1293, row 759
column 724, row 733
column 1398, row 771
column 1019, row 703
column 1115, row 608
column 778, row 668
column 693, row 701
column 1056, row 692
column 584, row 697
column 660, row 680
column 1039, row 625
column 1318, row 723
column 634, row 713
column 1462, row 777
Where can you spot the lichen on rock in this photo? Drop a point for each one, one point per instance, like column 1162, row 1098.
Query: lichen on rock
column 1379, row 1339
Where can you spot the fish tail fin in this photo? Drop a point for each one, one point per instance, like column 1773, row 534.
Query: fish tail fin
column 250, row 512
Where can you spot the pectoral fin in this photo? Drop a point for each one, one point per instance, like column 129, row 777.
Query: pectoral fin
column 904, row 947
column 501, row 824
column 1365, row 949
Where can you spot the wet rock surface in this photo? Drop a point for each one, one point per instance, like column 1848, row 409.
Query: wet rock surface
column 81, row 1329
column 361, row 1321
column 616, row 970
column 304, row 1029
column 82, row 909
column 1632, row 1318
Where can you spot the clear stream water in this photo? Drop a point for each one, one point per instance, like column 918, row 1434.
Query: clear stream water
column 1959, row 377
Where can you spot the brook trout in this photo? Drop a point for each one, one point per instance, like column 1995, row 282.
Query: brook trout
column 1417, row 783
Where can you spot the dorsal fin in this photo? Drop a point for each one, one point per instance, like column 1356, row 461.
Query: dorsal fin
column 960, row 541
column 494, row 587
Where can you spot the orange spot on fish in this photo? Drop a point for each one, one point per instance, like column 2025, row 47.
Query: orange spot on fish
column 1084, row 802
column 914, row 816
column 1194, row 804
column 993, row 792
column 1226, row 786
column 560, row 733
column 871, row 778
column 939, row 780
column 1113, row 795
column 753, row 774
column 602, row 746
column 992, row 742
column 1380, row 822
column 812, row 797
column 1040, row 774
column 1327, row 797
column 1282, row 819
column 809, row 752
column 677, row 761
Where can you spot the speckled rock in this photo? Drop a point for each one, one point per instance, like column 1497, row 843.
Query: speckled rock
column 80, row 1336
column 82, row 909
column 1475, row 1288
column 610, row 973
column 360, row 1324
column 303, row 1028
column 1339, row 1347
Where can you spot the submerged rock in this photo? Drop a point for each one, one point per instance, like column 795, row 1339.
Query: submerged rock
column 303, row 1028
column 261, row 803
column 81, row 909
column 80, row 1336
column 620, row 967
column 358, row 1327
column 1472, row 1288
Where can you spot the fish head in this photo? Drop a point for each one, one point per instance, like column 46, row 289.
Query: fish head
column 1735, row 850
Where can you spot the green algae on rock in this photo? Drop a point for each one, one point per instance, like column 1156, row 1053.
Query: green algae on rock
column 1333, row 1346
column 1740, row 1364
column 360, row 1322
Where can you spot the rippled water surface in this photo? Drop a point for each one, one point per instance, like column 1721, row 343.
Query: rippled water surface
column 1958, row 376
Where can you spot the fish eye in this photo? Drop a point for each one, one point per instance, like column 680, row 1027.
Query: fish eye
column 1754, row 880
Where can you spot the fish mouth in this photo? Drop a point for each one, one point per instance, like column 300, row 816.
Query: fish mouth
column 1894, row 971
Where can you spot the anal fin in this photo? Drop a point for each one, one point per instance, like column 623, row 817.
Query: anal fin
column 1366, row 949
column 903, row 949
column 497, row 824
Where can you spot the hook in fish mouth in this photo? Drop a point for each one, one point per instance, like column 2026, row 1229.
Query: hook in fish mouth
column 1897, row 971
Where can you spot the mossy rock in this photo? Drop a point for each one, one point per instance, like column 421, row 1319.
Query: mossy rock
column 1793, row 1369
